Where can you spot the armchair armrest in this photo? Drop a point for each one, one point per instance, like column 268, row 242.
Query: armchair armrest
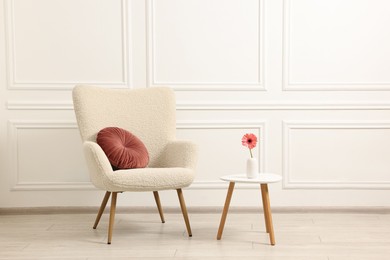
column 180, row 153
column 98, row 164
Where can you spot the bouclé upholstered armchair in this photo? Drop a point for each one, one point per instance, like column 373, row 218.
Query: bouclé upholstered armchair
column 149, row 114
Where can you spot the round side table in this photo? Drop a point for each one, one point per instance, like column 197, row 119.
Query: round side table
column 263, row 179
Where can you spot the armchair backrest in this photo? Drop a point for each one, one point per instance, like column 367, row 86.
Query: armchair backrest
column 148, row 113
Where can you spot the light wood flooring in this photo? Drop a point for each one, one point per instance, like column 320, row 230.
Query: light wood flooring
column 309, row 236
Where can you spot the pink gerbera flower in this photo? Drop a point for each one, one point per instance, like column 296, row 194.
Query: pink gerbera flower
column 250, row 141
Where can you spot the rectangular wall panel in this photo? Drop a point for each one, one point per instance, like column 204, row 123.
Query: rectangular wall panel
column 46, row 155
column 336, row 155
column 206, row 44
column 336, row 45
column 54, row 44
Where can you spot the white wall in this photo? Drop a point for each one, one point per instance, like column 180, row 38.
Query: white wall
column 310, row 78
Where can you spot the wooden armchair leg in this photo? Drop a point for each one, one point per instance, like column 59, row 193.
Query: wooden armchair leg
column 184, row 211
column 112, row 216
column 158, row 203
column 101, row 210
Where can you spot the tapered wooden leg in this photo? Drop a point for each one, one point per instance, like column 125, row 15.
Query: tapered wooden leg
column 265, row 210
column 267, row 213
column 112, row 216
column 157, row 199
column 101, row 210
column 184, row 211
column 225, row 210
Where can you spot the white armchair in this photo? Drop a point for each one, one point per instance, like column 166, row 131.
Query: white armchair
column 150, row 115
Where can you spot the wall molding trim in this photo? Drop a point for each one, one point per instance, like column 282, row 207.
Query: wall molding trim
column 39, row 105
column 14, row 84
column 288, row 180
column 50, row 186
column 284, row 106
column 68, row 105
column 203, row 86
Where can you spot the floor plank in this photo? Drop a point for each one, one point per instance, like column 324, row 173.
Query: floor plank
column 306, row 236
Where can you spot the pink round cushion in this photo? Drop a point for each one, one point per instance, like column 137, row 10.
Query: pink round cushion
column 123, row 149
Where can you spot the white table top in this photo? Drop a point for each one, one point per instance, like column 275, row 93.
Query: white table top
column 261, row 178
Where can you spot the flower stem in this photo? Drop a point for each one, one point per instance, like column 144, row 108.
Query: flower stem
column 250, row 151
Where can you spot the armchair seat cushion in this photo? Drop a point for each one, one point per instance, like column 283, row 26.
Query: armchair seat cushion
column 149, row 179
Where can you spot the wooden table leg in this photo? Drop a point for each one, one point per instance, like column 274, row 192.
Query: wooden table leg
column 265, row 209
column 225, row 210
column 267, row 213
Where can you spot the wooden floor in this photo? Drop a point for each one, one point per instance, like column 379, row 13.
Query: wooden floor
column 310, row 236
